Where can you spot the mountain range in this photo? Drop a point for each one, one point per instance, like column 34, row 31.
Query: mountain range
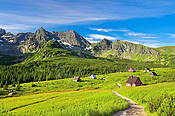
column 22, row 43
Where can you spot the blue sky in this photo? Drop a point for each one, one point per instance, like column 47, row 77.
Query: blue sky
column 145, row 22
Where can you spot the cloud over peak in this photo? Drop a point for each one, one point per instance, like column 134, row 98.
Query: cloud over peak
column 98, row 36
column 108, row 30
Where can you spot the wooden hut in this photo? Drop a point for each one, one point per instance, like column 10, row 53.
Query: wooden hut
column 133, row 81
column 152, row 74
column 131, row 70
column 147, row 70
column 92, row 77
column 76, row 78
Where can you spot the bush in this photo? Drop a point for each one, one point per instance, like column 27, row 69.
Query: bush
column 163, row 105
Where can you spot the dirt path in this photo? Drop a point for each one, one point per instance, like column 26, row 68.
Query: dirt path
column 133, row 110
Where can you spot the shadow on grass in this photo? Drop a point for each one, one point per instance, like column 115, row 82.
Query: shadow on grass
column 32, row 103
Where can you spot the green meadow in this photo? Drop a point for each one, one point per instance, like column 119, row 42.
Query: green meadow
column 92, row 96
column 76, row 103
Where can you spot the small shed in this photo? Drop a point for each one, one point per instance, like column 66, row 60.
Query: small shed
column 76, row 78
column 153, row 74
column 92, row 77
column 131, row 70
column 133, row 81
column 11, row 93
column 147, row 70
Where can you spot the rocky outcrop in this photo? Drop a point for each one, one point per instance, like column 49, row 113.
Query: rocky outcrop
column 8, row 48
column 2, row 32
column 123, row 49
column 103, row 45
column 72, row 38
column 31, row 42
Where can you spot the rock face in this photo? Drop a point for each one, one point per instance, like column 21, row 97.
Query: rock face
column 72, row 38
column 2, row 32
column 7, row 48
column 103, row 45
column 31, row 42
column 123, row 49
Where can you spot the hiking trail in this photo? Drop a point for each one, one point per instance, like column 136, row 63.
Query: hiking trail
column 133, row 110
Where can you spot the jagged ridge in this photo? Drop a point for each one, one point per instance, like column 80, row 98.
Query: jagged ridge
column 123, row 49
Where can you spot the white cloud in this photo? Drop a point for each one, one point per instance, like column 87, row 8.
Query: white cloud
column 153, row 45
column 138, row 34
column 15, row 27
column 149, row 37
column 45, row 12
column 108, row 30
column 172, row 35
column 93, row 41
column 150, row 43
column 98, row 36
column 132, row 41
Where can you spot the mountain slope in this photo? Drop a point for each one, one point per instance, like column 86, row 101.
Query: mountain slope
column 72, row 38
column 167, row 55
column 53, row 49
column 31, row 42
column 123, row 49
column 167, row 50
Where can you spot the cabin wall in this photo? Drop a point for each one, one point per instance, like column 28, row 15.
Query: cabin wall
column 127, row 84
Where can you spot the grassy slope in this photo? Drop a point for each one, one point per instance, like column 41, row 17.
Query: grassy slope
column 167, row 55
column 167, row 50
column 89, row 103
column 166, row 74
column 59, row 87
column 144, row 94
column 133, row 56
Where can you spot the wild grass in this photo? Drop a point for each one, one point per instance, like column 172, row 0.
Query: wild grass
column 156, row 98
column 80, row 103
column 90, row 96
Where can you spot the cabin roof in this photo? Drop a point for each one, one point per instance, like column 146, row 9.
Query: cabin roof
column 132, row 79
column 152, row 73
column 76, row 78
column 131, row 69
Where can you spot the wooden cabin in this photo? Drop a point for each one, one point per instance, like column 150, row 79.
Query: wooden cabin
column 131, row 70
column 76, row 79
column 147, row 70
column 92, row 77
column 153, row 74
column 133, row 81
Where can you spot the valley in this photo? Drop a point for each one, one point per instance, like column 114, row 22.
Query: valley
column 96, row 91
column 36, row 72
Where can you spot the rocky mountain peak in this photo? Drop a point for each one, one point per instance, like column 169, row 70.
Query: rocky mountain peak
column 2, row 32
column 73, row 38
column 106, row 41
column 41, row 30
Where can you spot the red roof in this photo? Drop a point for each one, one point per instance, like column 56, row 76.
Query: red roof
column 131, row 70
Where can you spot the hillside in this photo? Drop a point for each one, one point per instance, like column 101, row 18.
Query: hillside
column 28, row 42
column 123, row 49
column 21, row 43
column 54, row 59
column 167, row 55
column 167, row 50
column 54, row 49
column 51, row 97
